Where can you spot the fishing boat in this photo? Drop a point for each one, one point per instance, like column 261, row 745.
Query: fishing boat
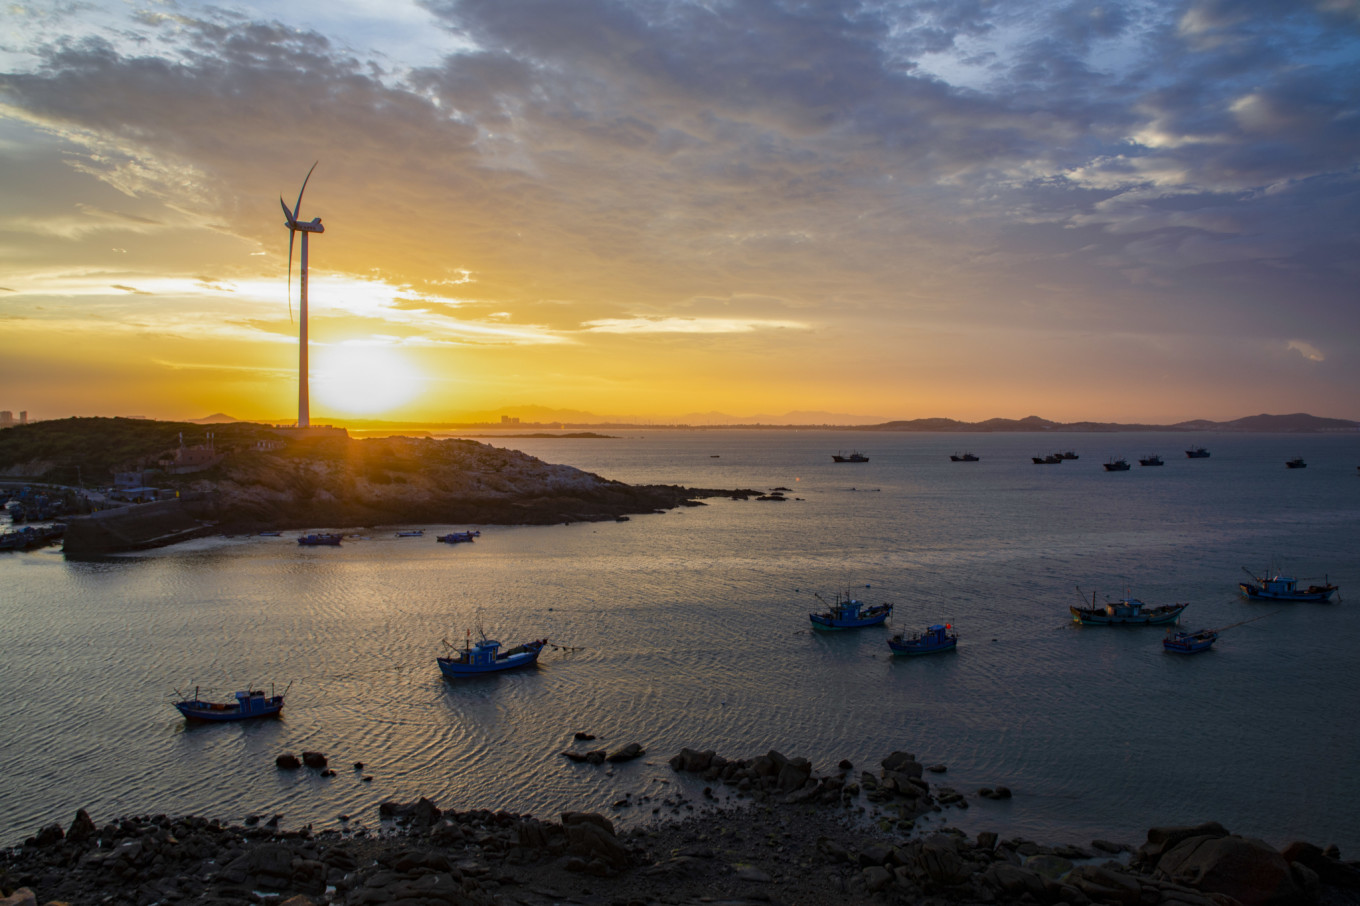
column 856, row 456
column 1280, row 587
column 1296, row 463
column 1182, row 642
column 1052, row 459
column 1128, row 610
column 1068, row 454
column 1197, row 453
column 1117, row 465
column 316, row 538
column 252, row 703
column 966, row 457
column 458, row 537
column 414, row 533
column 270, row 534
column 1152, row 459
column 849, row 613
column 939, row 637
column 485, row 656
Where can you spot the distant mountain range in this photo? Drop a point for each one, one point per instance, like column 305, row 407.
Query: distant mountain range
column 543, row 417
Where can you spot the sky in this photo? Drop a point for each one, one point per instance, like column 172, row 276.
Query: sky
column 1136, row 211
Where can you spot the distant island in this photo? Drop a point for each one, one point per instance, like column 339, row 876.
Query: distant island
column 188, row 480
column 1297, row 423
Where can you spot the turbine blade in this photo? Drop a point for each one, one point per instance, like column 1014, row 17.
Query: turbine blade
column 292, row 221
column 298, row 206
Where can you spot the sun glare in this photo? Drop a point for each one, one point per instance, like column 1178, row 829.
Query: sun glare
column 363, row 379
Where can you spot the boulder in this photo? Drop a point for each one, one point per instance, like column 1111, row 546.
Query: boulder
column 1250, row 871
column 692, row 762
column 938, row 860
column 1328, row 868
column 82, row 828
column 288, row 761
column 1014, row 880
column 903, row 762
column 627, row 753
column 1162, row 839
column 48, row 836
column 422, row 813
column 1105, row 885
column 590, row 837
column 877, row 878
column 21, row 897
column 314, row 759
column 793, row 774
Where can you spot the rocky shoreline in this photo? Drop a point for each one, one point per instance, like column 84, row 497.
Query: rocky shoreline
column 796, row 837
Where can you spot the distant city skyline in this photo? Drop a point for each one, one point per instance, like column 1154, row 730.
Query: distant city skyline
column 1142, row 212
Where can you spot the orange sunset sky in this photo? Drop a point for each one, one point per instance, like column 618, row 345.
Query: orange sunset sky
column 1144, row 211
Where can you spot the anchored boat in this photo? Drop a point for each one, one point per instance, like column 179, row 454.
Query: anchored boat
column 1182, row 642
column 1117, row 465
column 1128, row 610
column 252, row 703
column 939, row 637
column 318, row 538
column 853, row 457
column 485, row 656
column 849, row 613
column 458, row 537
column 1280, row 587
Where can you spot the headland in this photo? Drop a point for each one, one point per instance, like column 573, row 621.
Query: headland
column 185, row 480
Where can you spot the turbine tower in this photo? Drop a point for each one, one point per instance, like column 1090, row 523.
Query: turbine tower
column 296, row 226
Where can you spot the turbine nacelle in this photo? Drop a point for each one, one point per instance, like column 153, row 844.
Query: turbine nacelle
column 306, row 226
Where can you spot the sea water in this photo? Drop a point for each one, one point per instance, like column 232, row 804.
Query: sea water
column 690, row 628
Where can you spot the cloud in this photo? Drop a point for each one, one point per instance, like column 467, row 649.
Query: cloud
column 687, row 325
column 1306, row 350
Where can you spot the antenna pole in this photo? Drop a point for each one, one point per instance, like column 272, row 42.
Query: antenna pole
column 304, row 406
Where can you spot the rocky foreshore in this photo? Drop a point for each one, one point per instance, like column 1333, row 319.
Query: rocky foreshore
column 795, row 838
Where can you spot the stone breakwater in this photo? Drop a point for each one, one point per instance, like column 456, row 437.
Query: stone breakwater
column 792, row 841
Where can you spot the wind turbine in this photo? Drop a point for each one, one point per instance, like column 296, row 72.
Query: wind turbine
column 296, row 226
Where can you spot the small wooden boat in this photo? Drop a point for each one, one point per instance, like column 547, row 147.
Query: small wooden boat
column 1117, row 465
column 1152, row 459
column 252, row 703
column 853, row 457
column 1296, row 463
column 485, row 656
column 458, row 537
column 1197, row 453
column 1280, row 587
column 1128, row 610
column 270, row 534
column 849, row 613
column 966, row 457
column 414, row 533
column 1181, row 642
column 939, row 637
column 316, row 538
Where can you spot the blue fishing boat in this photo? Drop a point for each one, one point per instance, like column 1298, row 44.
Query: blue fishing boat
column 939, row 637
column 415, row 533
column 849, row 613
column 1280, row 587
column 1129, row 610
column 458, row 537
column 1181, row 642
column 485, row 656
column 252, row 703
column 319, row 538
column 1117, row 465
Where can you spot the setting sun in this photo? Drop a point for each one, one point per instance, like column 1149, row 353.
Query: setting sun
column 363, row 379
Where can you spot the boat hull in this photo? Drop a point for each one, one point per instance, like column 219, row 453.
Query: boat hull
column 1190, row 642
column 525, row 655
column 869, row 616
column 911, row 649
column 1257, row 593
column 1100, row 617
column 218, row 712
